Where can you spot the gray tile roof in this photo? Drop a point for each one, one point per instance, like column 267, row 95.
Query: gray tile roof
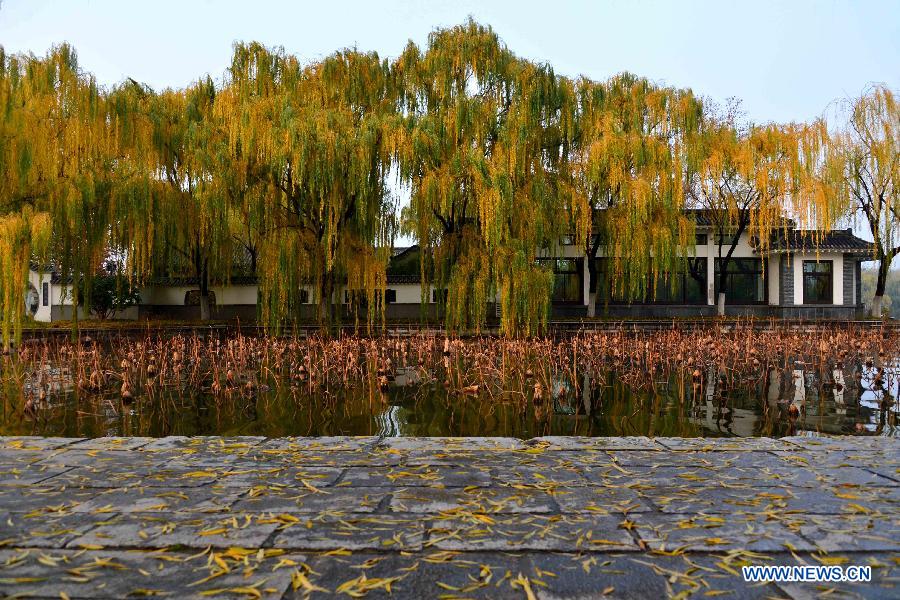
column 840, row 240
column 401, row 279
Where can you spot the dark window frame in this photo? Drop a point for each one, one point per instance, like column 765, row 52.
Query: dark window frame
column 651, row 297
column 828, row 276
column 577, row 270
column 45, row 293
column 192, row 298
column 734, row 262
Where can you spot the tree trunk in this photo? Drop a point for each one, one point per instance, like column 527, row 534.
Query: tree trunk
column 884, row 265
column 202, row 270
column 723, row 283
column 876, row 306
column 204, row 306
column 204, row 296
column 326, row 290
column 591, row 258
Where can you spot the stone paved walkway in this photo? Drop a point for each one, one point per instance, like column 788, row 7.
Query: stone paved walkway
column 438, row 517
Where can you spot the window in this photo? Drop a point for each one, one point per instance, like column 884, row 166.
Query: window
column 609, row 287
column 304, row 296
column 358, row 297
column 724, row 239
column 745, row 281
column 817, row 282
column 439, row 295
column 701, row 239
column 695, row 281
column 45, row 294
column 566, row 279
column 192, row 298
column 361, row 299
column 689, row 286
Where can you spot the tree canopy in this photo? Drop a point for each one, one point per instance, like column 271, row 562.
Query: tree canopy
column 290, row 171
column 860, row 174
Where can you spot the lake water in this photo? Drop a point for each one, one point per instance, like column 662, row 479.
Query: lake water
column 407, row 405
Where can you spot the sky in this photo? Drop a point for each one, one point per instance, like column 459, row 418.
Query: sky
column 785, row 60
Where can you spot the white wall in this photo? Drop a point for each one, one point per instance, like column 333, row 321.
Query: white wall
column 174, row 295
column 35, row 279
column 837, row 274
column 61, row 296
column 774, row 279
column 409, row 293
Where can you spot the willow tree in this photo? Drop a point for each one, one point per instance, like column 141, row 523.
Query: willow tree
column 54, row 149
column 629, row 177
column 171, row 208
column 860, row 175
column 483, row 154
column 322, row 134
column 748, row 179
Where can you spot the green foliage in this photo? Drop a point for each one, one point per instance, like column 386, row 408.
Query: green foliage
column 284, row 170
column 891, row 300
column 860, row 174
column 110, row 294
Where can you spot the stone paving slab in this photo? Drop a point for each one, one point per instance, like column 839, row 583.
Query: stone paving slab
column 484, row 444
column 417, row 476
column 35, row 442
column 729, row 444
column 714, row 533
column 128, row 574
column 112, row 443
column 353, row 532
column 765, row 475
column 46, row 531
column 592, row 443
column 327, row 443
column 552, row 517
column 561, row 533
column 333, row 500
column 433, row 500
column 16, row 475
column 185, row 530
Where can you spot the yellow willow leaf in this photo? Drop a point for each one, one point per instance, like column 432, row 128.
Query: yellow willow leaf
column 299, row 580
column 525, row 584
column 247, row 591
column 831, row 560
column 605, row 542
column 216, row 531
